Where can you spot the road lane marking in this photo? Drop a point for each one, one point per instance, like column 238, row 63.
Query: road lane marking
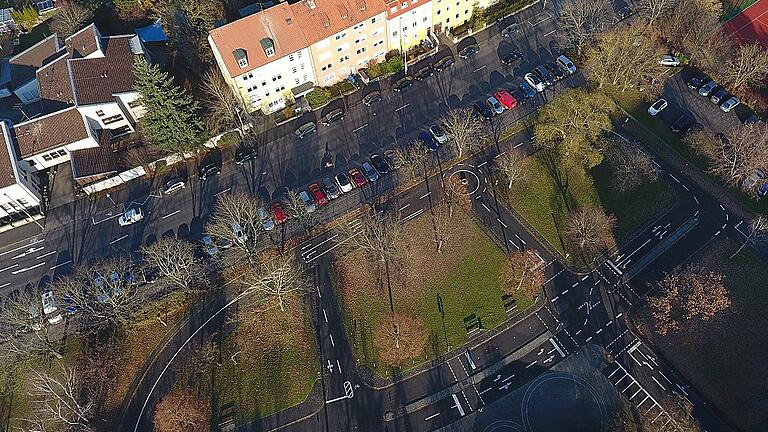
column 458, row 404
column 28, row 268
column 28, row 251
column 502, row 223
column 5, row 285
column 118, row 239
column 332, row 343
column 224, row 191
column 8, row 268
column 45, row 255
column 479, row 69
column 402, row 107
column 325, row 315
column 21, row 247
column 549, row 33
column 170, row 214
column 361, row 127
column 61, row 264
column 431, row 417
column 425, row 195
column 557, row 347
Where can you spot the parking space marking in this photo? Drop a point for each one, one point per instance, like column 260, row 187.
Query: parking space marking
column 170, row 214
column 360, row 128
column 118, row 239
column 224, row 191
column 61, row 264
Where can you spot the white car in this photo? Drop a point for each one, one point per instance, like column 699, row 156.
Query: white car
column 173, row 185
column 566, row 65
column 50, row 308
column 438, row 134
column 342, row 180
column 534, row 82
column 131, row 216
column 266, row 220
column 657, row 107
column 669, row 60
column 730, row 104
column 237, row 230
column 495, row 104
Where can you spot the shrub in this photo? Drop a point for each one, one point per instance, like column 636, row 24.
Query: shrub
column 25, row 18
column 319, row 96
column 229, row 139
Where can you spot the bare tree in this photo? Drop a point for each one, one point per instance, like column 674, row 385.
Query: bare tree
column 298, row 212
column 581, row 21
column 379, row 235
column 692, row 25
column 687, row 294
column 105, row 292
column 175, row 260
column 273, row 280
column 758, row 230
column 590, row 230
column 399, row 337
column 737, row 160
column 631, row 167
column 456, row 193
column 226, row 109
column 235, row 219
column 60, row 401
column 181, row 411
column 70, row 18
column 24, row 325
column 510, row 167
column 523, row 271
column 653, row 10
column 748, row 67
column 464, row 128
column 441, row 225
column 412, row 158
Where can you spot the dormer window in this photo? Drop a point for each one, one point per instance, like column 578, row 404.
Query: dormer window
column 241, row 57
column 268, row 46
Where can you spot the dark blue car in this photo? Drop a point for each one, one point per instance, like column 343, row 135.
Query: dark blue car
column 527, row 89
column 429, row 141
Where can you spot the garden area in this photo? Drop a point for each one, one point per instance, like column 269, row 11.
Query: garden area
column 320, row 96
column 724, row 357
column 466, row 277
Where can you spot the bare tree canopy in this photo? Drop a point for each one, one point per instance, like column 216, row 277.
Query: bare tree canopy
column 692, row 25
column 581, row 21
column 456, row 193
column 59, row 402
column 441, row 224
column 226, row 110
column 70, row 18
column 625, row 57
column 590, row 230
column 175, row 260
column 688, row 294
column 748, row 67
column 737, row 160
column 379, row 235
column 236, row 220
column 298, row 212
column 412, row 159
column 24, row 325
column 652, row 10
column 510, row 167
column 464, row 128
column 758, row 230
column 631, row 167
column 274, row 280
column 105, row 292
column 573, row 123
column 523, row 272
column 182, row 411
column 399, row 337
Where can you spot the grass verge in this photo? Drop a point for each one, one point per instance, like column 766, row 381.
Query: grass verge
column 724, row 358
column 466, row 275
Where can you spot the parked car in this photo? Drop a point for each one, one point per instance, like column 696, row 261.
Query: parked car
column 309, row 204
column 534, row 82
column 623, row 11
column 357, row 177
column 342, row 180
column 424, row 73
column 403, row 83
column 555, row 71
column 444, row 63
column 245, row 154
column 566, row 65
column 392, row 159
column 657, row 107
column 438, row 133
column 238, row 232
column 512, row 58
column 497, row 107
column 482, row 108
column 173, row 185
column 131, row 216
column 695, row 82
column 527, row 89
column 380, row 164
column 429, row 141
column 719, row 96
column 469, row 51
column 335, row 116
column 211, row 170
column 278, row 213
column 510, row 30
column 318, row 195
column 305, row 129
column 331, row 189
column 683, row 124
column 505, row 99
column 370, row 171
column 543, row 74
column 731, row 103
column 707, row 88
column 669, row 60
column 209, row 246
column 50, row 308
column 266, row 222
column 519, row 95
column 372, row 98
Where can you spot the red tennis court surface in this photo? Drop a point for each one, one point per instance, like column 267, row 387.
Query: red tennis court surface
column 750, row 25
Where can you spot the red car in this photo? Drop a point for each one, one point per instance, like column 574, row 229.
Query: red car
column 357, row 177
column 505, row 99
column 277, row 211
column 318, row 195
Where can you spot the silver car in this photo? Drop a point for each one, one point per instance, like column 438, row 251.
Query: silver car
column 495, row 104
column 331, row 189
column 266, row 219
column 370, row 172
column 173, row 185
column 309, row 203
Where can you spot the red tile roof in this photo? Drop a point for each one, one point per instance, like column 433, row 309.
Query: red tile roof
column 50, row 131
column 7, row 175
column 329, row 17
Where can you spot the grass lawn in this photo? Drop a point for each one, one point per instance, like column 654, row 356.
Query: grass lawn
column 466, row 275
column 275, row 364
column 725, row 357
column 539, row 202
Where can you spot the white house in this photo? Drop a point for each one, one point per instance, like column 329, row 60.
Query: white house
column 409, row 22
column 20, row 195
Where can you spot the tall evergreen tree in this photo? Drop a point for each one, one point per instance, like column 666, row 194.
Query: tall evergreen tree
column 171, row 121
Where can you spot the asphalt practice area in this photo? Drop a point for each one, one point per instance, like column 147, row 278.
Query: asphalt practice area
column 751, row 25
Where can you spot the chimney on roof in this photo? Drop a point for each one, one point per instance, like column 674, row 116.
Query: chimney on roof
column 361, row 4
column 343, row 12
column 311, row 4
column 326, row 20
